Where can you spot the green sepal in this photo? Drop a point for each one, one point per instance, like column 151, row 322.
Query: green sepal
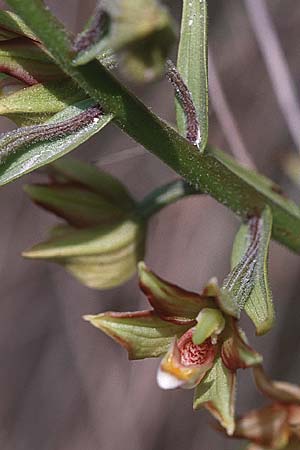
column 12, row 26
column 36, row 104
column 100, row 257
column 216, row 392
column 78, row 206
column 192, row 63
column 143, row 333
column 170, row 301
column 141, row 31
column 26, row 61
column 259, row 305
column 108, row 187
column 32, row 156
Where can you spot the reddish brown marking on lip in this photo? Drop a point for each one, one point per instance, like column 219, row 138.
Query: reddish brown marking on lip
column 195, row 355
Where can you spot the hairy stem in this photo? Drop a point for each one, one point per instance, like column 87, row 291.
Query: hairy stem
column 164, row 196
column 213, row 172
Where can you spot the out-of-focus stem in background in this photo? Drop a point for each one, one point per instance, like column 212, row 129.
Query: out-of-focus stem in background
column 276, row 64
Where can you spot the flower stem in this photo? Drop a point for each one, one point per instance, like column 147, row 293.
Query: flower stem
column 164, row 196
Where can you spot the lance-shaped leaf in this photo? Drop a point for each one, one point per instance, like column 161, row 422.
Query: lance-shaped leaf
column 28, row 148
column 100, row 257
column 12, row 26
column 217, row 393
column 143, row 333
column 192, row 63
column 170, row 301
column 35, row 104
column 250, row 265
column 26, row 61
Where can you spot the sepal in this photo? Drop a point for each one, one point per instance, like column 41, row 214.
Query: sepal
column 170, row 301
column 100, row 257
column 143, row 333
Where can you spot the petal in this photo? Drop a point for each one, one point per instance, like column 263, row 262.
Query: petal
column 236, row 353
column 216, row 392
column 277, row 390
column 267, row 426
column 170, row 301
column 185, row 364
column 142, row 333
column 211, row 323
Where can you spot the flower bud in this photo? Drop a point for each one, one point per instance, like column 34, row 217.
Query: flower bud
column 103, row 240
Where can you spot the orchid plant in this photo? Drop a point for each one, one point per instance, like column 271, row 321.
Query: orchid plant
column 62, row 89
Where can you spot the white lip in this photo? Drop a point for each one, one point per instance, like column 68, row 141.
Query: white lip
column 167, row 381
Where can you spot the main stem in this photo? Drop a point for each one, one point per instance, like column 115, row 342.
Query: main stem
column 212, row 172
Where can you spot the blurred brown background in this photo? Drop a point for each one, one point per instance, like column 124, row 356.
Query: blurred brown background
column 64, row 385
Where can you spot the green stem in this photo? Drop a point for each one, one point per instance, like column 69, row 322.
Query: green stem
column 164, row 196
column 243, row 191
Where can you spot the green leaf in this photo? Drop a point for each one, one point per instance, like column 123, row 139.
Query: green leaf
column 217, row 393
column 32, row 156
column 101, row 257
column 35, row 104
column 259, row 305
column 170, row 301
column 192, row 63
column 142, row 333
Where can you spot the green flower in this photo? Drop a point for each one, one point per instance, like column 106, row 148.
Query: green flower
column 103, row 239
column 200, row 342
column 277, row 425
